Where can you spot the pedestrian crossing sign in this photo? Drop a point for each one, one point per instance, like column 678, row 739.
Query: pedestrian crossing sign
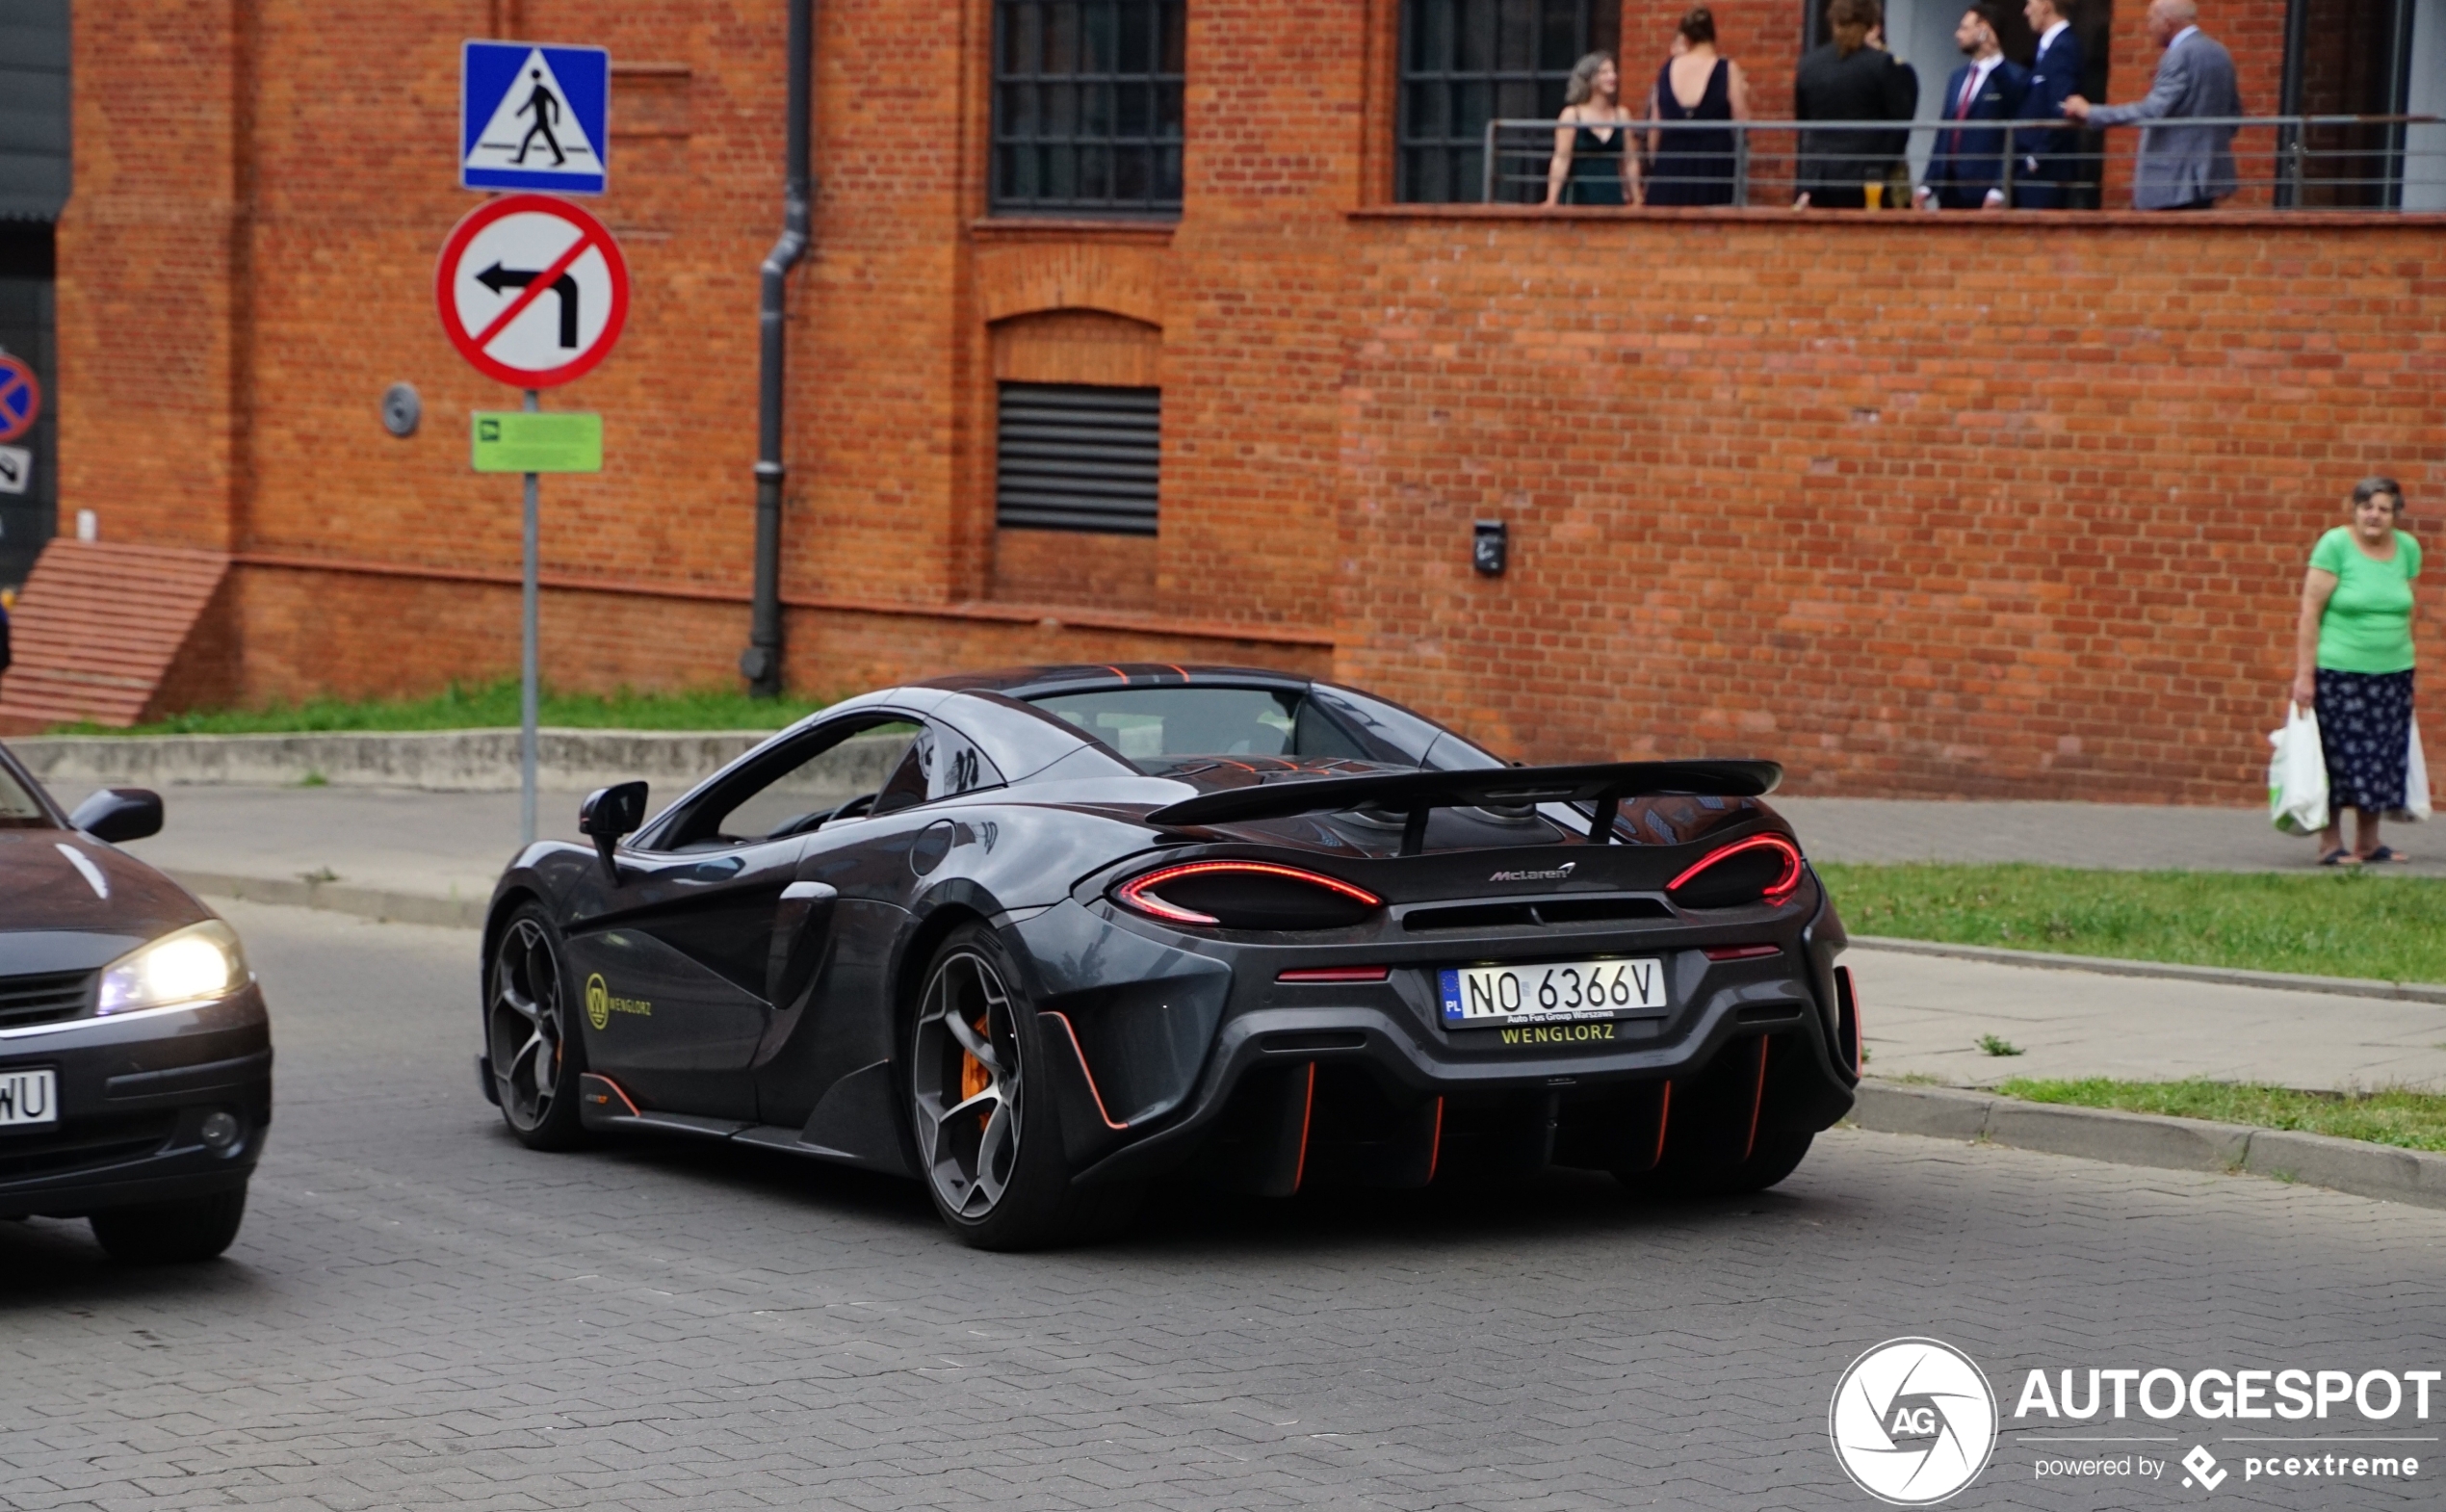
column 534, row 118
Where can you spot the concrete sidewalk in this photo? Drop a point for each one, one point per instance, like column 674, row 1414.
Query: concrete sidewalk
column 433, row 857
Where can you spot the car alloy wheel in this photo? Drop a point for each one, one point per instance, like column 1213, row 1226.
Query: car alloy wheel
column 534, row 1057
column 968, row 1080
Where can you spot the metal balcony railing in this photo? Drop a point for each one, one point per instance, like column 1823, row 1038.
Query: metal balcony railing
column 2366, row 163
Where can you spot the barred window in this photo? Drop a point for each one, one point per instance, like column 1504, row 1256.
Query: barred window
column 1465, row 63
column 1088, row 106
column 1075, row 456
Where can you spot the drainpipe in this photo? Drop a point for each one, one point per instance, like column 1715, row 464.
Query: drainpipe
column 760, row 662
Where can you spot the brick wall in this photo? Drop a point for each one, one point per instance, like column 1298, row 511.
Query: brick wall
column 1926, row 507
column 1768, row 489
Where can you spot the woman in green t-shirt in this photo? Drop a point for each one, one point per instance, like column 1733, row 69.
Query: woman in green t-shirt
column 2352, row 663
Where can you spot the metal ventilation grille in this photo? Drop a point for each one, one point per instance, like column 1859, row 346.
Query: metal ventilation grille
column 40, row 1000
column 1074, row 457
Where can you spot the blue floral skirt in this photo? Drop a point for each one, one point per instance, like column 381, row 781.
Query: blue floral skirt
column 2365, row 726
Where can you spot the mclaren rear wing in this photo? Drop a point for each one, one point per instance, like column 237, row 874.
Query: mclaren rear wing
column 1416, row 794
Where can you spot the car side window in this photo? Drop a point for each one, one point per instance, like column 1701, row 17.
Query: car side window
column 906, row 786
column 835, row 771
column 940, row 763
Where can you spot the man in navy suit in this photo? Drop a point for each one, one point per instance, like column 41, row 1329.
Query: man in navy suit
column 2049, row 160
column 1965, row 169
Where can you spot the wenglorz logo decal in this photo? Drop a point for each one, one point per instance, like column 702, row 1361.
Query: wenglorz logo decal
column 1912, row 1422
column 1556, row 874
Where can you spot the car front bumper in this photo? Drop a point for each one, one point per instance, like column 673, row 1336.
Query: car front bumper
column 133, row 1095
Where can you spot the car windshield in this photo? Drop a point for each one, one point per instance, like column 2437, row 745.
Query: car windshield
column 1154, row 726
column 20, row 809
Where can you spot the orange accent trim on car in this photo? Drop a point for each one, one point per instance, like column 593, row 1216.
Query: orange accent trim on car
column 1080, row 1051
column 1664, row 1116
column 1313, row 975
column 618, row 1091
column 1134, row 893
column 1758, row 1096
column 1782, row 885
column 1742, row 953
column 1435, row 1145
column 1307, row 1107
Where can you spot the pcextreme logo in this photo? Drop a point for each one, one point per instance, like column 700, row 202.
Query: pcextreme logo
column 601, row 1004
column 1912, row 1422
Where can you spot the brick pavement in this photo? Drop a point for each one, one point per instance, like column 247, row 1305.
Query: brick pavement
column 421, row 1314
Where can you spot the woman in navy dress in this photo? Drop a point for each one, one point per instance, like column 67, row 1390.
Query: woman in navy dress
column 1693, row 165
column 1590, row 166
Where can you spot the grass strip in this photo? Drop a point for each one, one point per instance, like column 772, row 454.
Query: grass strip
column 2410, row 1120
column 2350, row 923
column 486, row 706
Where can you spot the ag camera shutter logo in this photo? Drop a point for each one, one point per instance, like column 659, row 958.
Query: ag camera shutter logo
column 1912, row 1422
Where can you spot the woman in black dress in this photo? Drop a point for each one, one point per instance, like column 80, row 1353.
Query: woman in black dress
column 1590, row 166
column 1693, row 166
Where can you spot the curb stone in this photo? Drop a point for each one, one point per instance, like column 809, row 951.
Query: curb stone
column 363, row 902
column 2417, row 1177
column 2116, row 966
column 433, row 761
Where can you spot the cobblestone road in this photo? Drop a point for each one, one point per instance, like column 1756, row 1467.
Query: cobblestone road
column 420, row 1314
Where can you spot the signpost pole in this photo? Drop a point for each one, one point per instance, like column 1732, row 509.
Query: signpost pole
column 527, row 699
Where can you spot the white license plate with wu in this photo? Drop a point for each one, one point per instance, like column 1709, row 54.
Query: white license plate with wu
column 29, row 1097
column 1477, row 997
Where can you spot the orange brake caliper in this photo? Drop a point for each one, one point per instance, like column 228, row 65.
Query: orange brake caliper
column 973, row 1076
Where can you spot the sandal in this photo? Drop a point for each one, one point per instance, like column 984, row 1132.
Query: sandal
column 2339, row 857
column 2386, row 853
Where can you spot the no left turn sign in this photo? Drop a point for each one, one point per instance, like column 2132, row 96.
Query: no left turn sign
column 532, row 290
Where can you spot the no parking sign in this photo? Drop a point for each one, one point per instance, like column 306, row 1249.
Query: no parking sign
column 20, row 397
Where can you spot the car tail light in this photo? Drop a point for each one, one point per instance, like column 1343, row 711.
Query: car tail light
column 1763, row 867
column 1330, row 974
column 1247, row 894
column 1742, row 953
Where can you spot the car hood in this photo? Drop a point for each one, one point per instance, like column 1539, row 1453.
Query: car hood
column 55, row 917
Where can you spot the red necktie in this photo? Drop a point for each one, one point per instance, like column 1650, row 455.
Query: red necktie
column 1961, row 109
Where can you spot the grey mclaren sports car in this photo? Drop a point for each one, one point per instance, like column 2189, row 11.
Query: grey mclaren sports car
column 1040, row 938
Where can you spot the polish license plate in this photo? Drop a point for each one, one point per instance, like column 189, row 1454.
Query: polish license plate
column 1551, row 992
column 27, row 1097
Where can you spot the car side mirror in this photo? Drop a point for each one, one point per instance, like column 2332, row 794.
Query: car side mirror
column 607, row 815
column 120, row 814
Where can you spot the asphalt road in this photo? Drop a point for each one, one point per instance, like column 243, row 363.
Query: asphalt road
column 420, row 1313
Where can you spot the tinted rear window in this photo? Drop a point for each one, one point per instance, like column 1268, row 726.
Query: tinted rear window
column 1155, row 725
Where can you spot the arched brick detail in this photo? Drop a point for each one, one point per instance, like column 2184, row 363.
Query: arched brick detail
column 1027, row 278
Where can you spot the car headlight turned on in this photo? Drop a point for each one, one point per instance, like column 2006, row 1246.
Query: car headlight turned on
column 197, row 964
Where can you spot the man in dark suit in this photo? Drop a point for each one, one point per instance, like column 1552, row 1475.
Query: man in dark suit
column 2050, row 162
column 2182, row 167
column 1965, row 167
column 1853, row 80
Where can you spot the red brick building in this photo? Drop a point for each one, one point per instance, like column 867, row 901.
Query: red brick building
column 2013, row 503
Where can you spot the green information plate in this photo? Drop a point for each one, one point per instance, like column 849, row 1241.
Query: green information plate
column 514, row 441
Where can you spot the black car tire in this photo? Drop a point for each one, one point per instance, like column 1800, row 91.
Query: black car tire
column 987, row 1133
column 1773, row 1155
column 532, row 1033
column 170, row 1232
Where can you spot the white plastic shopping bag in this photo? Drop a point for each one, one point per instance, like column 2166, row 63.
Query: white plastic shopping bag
column 2416, row 782
column 2298, row 776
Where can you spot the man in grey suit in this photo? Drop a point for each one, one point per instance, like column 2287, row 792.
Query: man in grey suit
column 2181, row 167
